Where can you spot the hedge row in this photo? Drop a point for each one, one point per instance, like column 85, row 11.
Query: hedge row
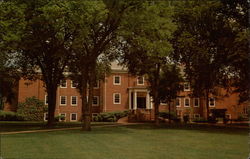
column 110, row 116
column 10, row 116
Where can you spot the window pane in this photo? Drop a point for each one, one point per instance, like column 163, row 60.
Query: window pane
column 117, row 79
column 73, row 116
column 63, row 99
column 196, row 102
column 186, row 102
column 95, row 101
column 73, row 100
column 140, row 80
column 63, row 83
column 117, row 98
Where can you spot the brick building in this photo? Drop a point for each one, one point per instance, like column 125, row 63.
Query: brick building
column 120, row 91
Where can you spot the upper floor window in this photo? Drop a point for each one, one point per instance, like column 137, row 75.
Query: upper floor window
column 73, row 84
column 140, row 80
column 186, row 86
column 117, row 98
column 178, row 102
column 196, row 102
column 73, row 100
column 95, row 101
column 117, row 80
column 46, row 100
column 187, row 102
column 63, row 100
column 211, row 102
column 63, row 84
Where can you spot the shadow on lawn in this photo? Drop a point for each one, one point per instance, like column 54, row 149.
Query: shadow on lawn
column 194, row 127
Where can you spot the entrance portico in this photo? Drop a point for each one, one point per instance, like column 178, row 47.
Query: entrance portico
column 139, row 98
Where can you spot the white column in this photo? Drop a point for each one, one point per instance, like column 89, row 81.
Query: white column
column 151, row 103
column 135, row 100
column 148, row 101
column 129, row 99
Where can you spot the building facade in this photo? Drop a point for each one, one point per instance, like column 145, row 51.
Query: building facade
column 119, row 92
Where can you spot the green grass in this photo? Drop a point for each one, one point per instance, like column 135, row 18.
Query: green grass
column 130, row 142
column 8, row 126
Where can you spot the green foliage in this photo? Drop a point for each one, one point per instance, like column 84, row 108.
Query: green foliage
column 60, row 118
column 110, row 116
column 166, row 115
column 32, row 109
column 10, row 116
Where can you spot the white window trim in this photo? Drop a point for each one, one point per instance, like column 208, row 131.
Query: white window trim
column 65, row 85
column 185, row 90
column 64, row 116
column 163, row 103
column 97, row 101
column 65, row 101
column 120, row 78
column 71, row 101
column 197, row 115
column 72, row 84
column 210, row 103
column 179, row 102
column 142, row 81
column 45, row 100
column 44, row 116
column 185, row 102
column 198, row 102
column 114, row 98
column 98, row 84
column 71, row 116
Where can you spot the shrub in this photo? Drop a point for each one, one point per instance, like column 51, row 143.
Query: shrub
column 166, row 115
column 200, row 120
column 32, row 109
column 59, row 118
column 110, row 116
column 212, row 119
column 10, row 116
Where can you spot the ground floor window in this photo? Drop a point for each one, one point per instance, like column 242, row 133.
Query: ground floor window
column 62, row 117
column 196, row 116
column 228, row 116
column 73, row 117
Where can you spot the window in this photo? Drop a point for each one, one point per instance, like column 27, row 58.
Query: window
column 196, row 102
column 117, row 98
column 186, row 86
column 117, row 80
column 46, row 101
column 63, row 100
column 96, row 84
column 178, row 102
column 211, row 102
column 186, row 102
column 74, row 84
column 74, row 100
column 140, row 80
column 62, row 117
column 73, row 117
column 196, row 116
column 63, row 84
column 163, row 102
column 45, row 116
column 228, row 116
column 95, row 101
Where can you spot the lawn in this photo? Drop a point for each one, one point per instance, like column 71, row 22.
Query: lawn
column 130, row 142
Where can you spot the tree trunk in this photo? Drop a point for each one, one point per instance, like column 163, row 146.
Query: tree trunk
column 207, row 104
column 169, row 110
column 85, row 125
column 51, row 105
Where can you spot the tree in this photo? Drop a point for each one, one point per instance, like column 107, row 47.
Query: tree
column 236, row 13
column 170, row 85
column 146, row 45
column 94, row 45
column 45, row 41
column 202, row 43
